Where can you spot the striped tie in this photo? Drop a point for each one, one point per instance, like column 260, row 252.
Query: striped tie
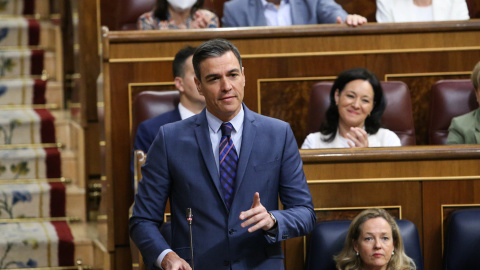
column 228, row 164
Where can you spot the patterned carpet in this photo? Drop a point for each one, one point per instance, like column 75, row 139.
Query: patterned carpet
column 31, row 196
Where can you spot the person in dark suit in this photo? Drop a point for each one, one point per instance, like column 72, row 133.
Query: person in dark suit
column 238, row 13
column 191, row 103
column 230, row 166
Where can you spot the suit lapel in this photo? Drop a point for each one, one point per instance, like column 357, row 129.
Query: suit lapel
column 205, row 145
column 248, row 138
column 255, row 7
column 299, row 12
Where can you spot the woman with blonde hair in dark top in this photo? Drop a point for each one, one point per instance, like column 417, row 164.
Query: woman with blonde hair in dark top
column 374, row 242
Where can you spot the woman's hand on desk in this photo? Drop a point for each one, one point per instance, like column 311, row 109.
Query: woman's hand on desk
column 358, row 137
column 353, row 20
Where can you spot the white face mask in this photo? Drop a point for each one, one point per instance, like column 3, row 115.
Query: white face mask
column 181, row 4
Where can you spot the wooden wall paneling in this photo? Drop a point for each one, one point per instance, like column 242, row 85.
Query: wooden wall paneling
column 288, row 100
column 435, row 195
column 67, row 27
column 437, row 177
column 89, row 60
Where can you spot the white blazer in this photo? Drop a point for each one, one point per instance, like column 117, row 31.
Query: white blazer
column 392, row 11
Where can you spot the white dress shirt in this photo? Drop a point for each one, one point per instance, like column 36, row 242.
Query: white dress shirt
column 383, row 138
column 278, row 17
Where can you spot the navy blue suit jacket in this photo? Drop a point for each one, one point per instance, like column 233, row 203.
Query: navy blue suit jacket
column 147, row 131
column 181, row 166
column 238, row 13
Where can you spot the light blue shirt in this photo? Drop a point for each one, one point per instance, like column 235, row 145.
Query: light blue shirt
column 184, row 112
column 214, row 125
column 278, row 17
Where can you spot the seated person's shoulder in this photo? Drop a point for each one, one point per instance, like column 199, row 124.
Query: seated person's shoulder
column 388, row 138
column 465, row 121
column 466, row 117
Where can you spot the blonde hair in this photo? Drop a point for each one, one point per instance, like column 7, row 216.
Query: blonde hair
column 476, row 76
column 348, row 259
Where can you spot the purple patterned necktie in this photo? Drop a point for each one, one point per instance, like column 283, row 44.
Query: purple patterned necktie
column 228, row 164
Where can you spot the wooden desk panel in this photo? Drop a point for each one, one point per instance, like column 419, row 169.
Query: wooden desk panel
column 426, row 182
column 280, row 66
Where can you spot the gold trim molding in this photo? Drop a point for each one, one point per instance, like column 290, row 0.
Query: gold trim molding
column 427, row 74
column 32, row 145
column 310, row 54
column 51, row 106
column 40, row 180
column 45, row 219
column 395, row 179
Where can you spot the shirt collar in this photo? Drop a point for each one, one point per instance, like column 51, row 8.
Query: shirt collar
column 184, row 112
column 214, row 123
column 282, row 2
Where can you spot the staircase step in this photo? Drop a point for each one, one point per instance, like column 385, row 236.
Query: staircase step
column 23, row 63
column 48, row 35
column 25, row 92
column 76, row 204
column 88, row 247
column 52, row 66
column 71, row 135
column 26, row 126
column 18, row 8
column 36, row 244
column 54, row 93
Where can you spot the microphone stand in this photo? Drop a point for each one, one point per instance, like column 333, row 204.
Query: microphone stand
column 190, row 220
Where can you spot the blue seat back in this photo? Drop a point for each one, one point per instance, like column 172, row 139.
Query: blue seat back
column 462, row 245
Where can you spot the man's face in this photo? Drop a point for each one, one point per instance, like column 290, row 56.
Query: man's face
column 186, row 84
column 222, row 84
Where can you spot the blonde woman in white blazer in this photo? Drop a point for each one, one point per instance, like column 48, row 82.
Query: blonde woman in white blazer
column 393, row 11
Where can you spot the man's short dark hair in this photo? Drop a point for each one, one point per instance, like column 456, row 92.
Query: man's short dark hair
column 213, row 48
column 179, row 61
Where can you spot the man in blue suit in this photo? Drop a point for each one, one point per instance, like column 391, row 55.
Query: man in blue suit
column 191, row 103
column 238, row 13
column 230, row 166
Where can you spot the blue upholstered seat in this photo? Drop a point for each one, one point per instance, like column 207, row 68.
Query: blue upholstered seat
column 462, row 245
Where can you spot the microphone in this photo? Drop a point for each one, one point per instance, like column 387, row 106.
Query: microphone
column 189, row 215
